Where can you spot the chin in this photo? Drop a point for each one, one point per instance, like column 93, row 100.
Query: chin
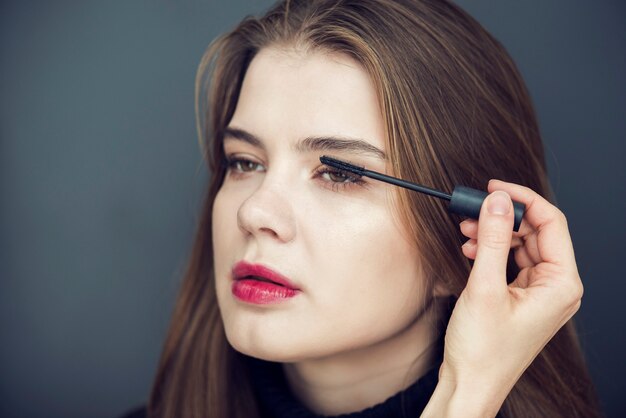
column 265, row 351
column 267, row 347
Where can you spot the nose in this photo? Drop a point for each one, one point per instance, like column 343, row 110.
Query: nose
column 267, row 213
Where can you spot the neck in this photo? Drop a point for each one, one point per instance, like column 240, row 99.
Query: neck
column 355, row 380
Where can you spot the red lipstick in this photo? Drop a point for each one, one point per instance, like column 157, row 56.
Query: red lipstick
column 254, row 283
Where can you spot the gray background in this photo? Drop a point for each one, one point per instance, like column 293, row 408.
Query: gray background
column 101, row 180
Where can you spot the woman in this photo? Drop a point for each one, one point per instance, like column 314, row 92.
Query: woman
column 387, row 304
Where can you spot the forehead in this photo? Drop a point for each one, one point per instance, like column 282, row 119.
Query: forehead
column 289, row 94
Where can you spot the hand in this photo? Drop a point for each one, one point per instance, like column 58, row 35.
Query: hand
column 496, row 330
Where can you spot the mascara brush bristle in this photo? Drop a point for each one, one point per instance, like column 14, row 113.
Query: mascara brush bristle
column 342, row 165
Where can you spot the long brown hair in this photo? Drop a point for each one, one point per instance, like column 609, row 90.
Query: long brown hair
column 456, row 111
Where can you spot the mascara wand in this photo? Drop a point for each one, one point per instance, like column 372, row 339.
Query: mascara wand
column 464, row 201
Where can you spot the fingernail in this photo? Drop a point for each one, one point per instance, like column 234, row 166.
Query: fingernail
column 499, row 203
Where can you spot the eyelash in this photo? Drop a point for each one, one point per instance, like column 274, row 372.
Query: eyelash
column 353, row 180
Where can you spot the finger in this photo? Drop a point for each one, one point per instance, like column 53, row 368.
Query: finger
column 554, row 244
column 469, row 228
column 522, row 259
column 531, row 249
column 469, row 249
column 495, row 227
column 522, row 279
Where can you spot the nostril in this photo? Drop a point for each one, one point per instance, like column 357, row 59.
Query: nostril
column 269, row 231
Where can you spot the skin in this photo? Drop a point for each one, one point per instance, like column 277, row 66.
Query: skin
column 354, row 336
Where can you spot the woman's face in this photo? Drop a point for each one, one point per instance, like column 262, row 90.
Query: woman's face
column 334, row 238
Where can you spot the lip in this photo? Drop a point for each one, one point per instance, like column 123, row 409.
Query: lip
column 273, row 288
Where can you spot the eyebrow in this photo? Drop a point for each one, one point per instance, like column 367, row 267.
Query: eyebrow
column 314, row 143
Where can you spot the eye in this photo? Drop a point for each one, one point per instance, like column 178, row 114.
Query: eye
column 338, row 176
column 246, row 165
column 338, row 179
column 239, row 165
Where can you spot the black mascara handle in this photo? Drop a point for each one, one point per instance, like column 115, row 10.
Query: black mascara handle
column 466, row 201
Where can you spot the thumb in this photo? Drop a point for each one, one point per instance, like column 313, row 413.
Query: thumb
column 495, row 229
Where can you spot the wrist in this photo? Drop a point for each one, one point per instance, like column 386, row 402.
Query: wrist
column 456, row 396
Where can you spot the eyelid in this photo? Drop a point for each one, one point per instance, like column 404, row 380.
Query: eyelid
column 238, row 156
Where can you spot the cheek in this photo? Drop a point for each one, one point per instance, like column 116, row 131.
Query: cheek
column 225, row 208
column 218, row 211
column 224, row 226
column 361, row 236
column 369, row 274
column 218, row 224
